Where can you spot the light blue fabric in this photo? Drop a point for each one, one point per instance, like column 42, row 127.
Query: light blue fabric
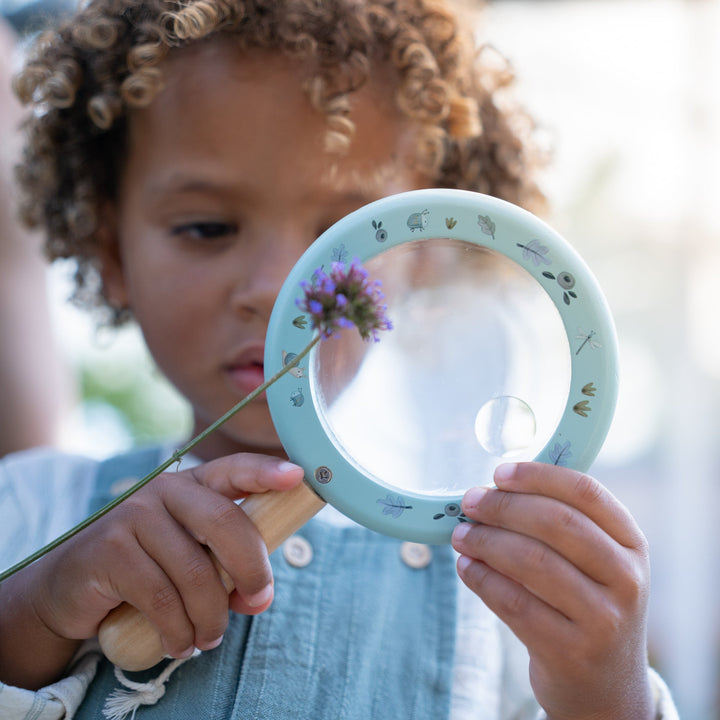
column 34, row 488
column 355, row 635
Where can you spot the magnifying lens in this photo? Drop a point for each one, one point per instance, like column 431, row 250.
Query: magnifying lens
column 502, row 348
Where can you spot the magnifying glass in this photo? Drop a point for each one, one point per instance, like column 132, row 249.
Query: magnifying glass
column 502, row 348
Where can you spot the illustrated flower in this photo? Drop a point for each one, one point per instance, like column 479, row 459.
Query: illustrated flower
column 345, row 297
column 340, row 299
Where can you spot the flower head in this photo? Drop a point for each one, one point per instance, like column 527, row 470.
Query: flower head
column 345, row 297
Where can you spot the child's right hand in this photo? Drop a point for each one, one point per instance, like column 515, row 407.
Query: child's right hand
column 150, row 551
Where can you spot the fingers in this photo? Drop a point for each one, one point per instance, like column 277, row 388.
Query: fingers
column 150, row 589
column 152, row 551
column 237, row 476
column 551, row 542
column 172, row 578
column 532, row 566
column 577, row 490
column 218, row 523
column 531, row 619
column 189, row 606
column 543, row 531
column 203, row 515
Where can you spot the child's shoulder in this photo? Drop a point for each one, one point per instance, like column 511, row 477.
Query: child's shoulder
column 52, row 466
column 46, row 465
column 42, row 492
column 45, row 491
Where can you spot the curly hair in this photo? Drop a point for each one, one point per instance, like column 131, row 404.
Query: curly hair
column 84, row 76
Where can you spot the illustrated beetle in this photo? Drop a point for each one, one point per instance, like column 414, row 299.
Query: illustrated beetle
column 418, row 221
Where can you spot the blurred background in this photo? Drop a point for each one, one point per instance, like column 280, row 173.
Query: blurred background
column 628, row 92
column 627, row 95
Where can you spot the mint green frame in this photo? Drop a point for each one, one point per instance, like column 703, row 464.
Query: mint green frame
column 459, row 215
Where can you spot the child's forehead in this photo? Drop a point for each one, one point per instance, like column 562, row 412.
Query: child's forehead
column 221, row 56
column 230, row 111
column 266, row 76
column 223, row 51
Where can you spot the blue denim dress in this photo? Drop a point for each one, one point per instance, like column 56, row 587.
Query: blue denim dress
column 356, row 633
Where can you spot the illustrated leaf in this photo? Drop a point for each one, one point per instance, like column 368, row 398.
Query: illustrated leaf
column 450, row 223
column 487, row 225
column 560, row 454
column 300, row 322
column 394, row 505
column 340, row 254
column 589, row 390
column 535, row 251
column 582, row 408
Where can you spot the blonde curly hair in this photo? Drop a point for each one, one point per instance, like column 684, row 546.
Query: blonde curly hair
column 84, row 76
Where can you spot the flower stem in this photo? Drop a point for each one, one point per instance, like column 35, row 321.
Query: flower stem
column 161, row 468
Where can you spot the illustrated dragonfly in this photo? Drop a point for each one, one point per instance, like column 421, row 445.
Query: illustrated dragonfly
column 587, row 339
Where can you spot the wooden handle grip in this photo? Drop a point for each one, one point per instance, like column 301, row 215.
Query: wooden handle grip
column 127, row 637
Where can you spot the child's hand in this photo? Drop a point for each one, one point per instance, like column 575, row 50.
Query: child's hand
column 150, row 551
column 565, row 566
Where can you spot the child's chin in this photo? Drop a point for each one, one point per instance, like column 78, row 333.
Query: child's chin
column 257, row 432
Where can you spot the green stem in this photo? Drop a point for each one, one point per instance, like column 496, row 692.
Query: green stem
column 161, row 468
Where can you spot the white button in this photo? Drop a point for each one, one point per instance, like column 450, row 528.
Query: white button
column 416, row 555
column 121, row 486
column 298, row 551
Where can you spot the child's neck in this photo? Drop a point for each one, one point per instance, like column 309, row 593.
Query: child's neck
column 219, row 444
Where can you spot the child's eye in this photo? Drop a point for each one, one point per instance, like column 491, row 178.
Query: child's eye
column 205, row 230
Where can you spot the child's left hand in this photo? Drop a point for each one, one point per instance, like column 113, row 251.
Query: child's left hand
column 565, row 566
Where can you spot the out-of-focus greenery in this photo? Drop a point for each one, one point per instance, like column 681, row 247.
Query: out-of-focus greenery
column 121, row 398
column 143, row 400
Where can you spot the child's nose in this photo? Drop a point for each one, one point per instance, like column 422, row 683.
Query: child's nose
column 266, row 272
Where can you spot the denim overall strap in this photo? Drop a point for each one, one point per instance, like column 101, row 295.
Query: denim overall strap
column 118, row 473
column 354, row 633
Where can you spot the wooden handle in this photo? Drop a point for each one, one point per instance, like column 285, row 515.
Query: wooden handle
column 127, row 637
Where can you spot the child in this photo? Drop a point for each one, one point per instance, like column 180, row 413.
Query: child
column 188, row 154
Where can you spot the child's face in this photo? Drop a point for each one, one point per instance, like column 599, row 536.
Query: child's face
column 226, row 183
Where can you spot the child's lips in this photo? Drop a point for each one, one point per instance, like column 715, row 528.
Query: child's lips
column 246, row 370
column 247, row 376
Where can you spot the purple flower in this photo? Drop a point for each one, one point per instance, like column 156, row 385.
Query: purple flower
column 342, row 298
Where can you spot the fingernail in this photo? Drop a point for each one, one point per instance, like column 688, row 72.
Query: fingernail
column 212, row 645
column 474, row 496
column 460, row 532
column 463, row 563
column 504, row 472
column 260, row 598
column 186, row 653
column 285, row 467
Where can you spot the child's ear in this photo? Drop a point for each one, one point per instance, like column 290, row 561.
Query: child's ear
column 110, row 261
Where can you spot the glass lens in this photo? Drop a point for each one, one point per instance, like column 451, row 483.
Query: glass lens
column 475, row 371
